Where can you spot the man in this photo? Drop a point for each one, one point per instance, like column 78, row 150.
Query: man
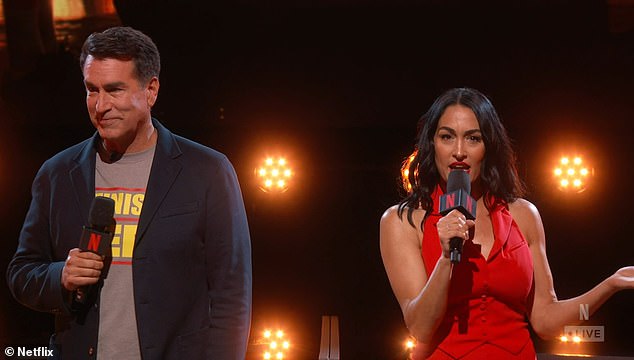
column 178, row 282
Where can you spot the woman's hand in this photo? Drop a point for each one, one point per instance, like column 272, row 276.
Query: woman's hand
column 454, row 224
column 623, row 278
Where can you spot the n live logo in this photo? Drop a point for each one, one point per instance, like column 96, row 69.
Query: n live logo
column 585, row 333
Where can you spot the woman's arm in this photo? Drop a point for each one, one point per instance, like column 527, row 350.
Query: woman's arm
column 548, row 315
column 422, row 297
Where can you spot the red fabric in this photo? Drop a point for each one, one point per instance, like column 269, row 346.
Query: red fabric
column 488, row 298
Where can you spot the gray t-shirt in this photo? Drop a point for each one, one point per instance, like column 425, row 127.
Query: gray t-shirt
column 124, row 181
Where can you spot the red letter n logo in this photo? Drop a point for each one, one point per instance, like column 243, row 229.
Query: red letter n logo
column 93, row 243
column 470, row 205
column 451, row 200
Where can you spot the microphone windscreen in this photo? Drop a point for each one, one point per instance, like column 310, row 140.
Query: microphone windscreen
column 458, row 180
column 102, row 212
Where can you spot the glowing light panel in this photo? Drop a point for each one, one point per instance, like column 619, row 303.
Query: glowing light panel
column 277, row 345
column 572, row 173
column 274, row 174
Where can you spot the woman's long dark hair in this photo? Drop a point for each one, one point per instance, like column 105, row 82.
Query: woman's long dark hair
column 498, row 174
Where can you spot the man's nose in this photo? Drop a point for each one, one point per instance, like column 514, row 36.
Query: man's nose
column 103, row 103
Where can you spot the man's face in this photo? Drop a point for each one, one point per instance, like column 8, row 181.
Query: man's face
column 118, row 103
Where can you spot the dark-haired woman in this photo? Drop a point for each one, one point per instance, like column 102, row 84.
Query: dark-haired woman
column 480, row 307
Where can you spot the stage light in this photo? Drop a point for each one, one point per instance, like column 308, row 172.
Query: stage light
column 274, row 174
column 66, row 10
column 410, row 344
column 405, row 172
column 572, row 173
column 277, row 345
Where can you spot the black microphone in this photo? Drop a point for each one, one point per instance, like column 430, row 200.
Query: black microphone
column 457, row 197
column 97, row 236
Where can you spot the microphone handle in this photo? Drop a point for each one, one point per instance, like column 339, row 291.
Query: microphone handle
column 81, row 294
column 96, row 239
column 455, row 249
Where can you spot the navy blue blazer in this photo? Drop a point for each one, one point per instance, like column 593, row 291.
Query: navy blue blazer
column 191, row 264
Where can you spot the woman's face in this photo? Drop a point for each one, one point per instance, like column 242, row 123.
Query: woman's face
column 458, row 142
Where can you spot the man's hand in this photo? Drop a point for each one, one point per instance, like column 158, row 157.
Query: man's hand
column 81, row 268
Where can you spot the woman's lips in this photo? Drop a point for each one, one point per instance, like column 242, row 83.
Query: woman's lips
column 459, row 166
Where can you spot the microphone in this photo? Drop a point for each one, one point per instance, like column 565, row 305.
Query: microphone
column 97, row 236
column 457, row 197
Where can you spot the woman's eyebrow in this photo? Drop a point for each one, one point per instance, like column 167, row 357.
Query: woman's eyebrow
column 453, row 132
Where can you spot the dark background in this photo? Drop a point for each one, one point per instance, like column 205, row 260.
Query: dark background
column 339, row 88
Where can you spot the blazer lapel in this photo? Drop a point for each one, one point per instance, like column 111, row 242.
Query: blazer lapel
column 165, row 170
column 82, row 177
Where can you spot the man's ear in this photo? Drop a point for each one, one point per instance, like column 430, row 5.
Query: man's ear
column 152, row 90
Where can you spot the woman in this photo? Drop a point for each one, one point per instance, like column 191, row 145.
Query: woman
column 481, row 307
